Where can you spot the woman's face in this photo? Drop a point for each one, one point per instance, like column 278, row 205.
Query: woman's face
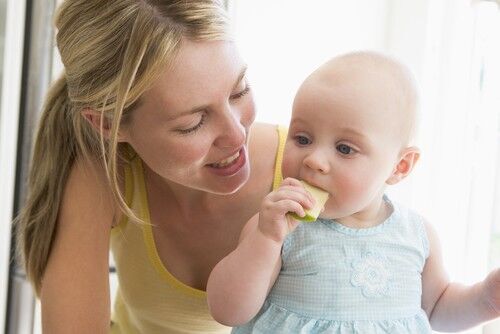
column 191, row 127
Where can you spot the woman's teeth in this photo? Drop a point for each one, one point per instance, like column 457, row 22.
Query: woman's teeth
column 227, row 161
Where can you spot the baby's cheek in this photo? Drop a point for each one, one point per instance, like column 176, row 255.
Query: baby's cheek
column 290, row 167
column 285, row 168
column 349, row 188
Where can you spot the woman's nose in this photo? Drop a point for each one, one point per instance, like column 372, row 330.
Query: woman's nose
column 317, row 161
column 232, row 132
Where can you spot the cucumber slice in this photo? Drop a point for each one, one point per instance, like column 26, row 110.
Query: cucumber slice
column 320, row 196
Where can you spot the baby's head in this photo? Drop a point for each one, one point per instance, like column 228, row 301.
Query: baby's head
column 352, row 124
column 367, row 86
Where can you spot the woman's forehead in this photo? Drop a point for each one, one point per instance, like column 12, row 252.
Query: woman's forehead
column 202, row 73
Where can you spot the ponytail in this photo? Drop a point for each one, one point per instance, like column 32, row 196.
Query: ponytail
column 53, row 156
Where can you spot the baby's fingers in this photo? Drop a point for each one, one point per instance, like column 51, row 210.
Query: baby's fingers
column 297, row 194
column 290, row 181
column 277, row 210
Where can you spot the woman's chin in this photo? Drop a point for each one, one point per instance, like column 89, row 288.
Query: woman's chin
column 231, row 178
column 233, row 184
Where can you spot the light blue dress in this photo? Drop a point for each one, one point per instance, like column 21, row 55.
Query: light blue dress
column 335, row 279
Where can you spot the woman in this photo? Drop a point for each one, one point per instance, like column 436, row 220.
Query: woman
column 145, row 146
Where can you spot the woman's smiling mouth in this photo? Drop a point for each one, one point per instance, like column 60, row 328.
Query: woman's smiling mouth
column 230, row 165
column 227, row 161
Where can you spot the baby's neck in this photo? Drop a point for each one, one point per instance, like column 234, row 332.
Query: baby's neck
column 372, row 216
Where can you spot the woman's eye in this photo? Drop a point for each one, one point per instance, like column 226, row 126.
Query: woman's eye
column 345, row 149
column 302, row 140
column 241, row 93
column 194, row 128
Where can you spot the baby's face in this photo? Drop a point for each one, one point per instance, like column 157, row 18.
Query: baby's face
column 344, row 137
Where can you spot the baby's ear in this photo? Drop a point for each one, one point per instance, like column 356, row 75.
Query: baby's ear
column 408, row 159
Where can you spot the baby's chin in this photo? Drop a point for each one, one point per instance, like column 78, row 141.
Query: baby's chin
column 326, row 216
column 331, row 213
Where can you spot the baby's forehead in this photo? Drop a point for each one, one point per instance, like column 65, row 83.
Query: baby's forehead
column 364, row 65
column 367, row 73
column 370, row 83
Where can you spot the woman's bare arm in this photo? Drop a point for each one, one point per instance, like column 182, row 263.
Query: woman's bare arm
column 75, row 286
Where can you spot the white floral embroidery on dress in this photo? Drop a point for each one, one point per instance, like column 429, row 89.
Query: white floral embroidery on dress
column 371, row 275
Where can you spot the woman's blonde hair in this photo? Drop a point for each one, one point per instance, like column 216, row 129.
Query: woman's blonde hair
column 112, row 52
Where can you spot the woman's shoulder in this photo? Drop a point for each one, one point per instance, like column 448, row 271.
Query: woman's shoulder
column 262, row 133
column 264, row 145
column 87, row 189
column 81, row 241
column 265, row 140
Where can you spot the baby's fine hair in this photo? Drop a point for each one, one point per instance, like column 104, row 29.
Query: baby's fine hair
column 112, row 52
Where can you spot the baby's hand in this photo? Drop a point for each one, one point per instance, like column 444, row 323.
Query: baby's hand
column 492, row 290
column 291, row 196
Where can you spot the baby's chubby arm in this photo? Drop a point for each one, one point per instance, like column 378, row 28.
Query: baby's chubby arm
column 239, row 283
column 452, row 306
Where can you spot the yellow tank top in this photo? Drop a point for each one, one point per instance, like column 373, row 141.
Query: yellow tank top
column 149, row 299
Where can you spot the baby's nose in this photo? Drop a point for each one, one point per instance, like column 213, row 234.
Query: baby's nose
column 317, row 161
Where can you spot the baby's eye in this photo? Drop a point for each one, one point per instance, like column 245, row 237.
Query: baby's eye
column 345, row 149
column 302, row 140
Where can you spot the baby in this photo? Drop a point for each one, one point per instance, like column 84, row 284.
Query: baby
column 367, row 265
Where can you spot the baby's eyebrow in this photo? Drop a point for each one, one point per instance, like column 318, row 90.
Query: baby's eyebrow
column 353, row 132
column 298, row 120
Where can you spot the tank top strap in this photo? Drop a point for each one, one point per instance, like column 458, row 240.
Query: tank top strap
column 128, row 186
column 282, row 134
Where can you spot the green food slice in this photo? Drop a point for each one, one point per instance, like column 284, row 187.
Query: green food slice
column 320, row 196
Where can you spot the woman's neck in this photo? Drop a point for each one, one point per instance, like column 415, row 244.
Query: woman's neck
column 189, row 203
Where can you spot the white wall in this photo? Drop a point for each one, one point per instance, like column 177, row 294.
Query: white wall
column 284, row 40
